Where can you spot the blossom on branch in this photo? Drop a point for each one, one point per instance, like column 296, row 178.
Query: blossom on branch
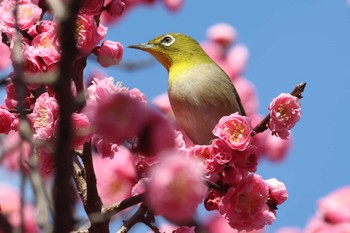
column 244, row 206
column 236, row 130
column 44, row 117
column 88, row 33
column 175, row 187
column 285, row 112
column 110, row 53
column 28, row 14
column 6, row 120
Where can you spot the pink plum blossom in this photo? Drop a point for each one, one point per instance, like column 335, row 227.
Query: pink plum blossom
column 5, row 54
column 222, row 33
column 115, row 7
column 204, row 154
column 317, row 225
column 115, row 177
column 14, row 147
column 118, row 118
column 46, row 47
column 102, row 88
column 285, row 112
column 11, row 96
column 28, row 15
column 218, row 224
column 110, row 53
column 163, row 104
column 232, row 175
column 173, row 5
column 156, row 136
column 137, row 95
column 91, row 7
column 82, row 129
column 184, row 229
column 335, row 207
column 236, row 59
column 277, row 190
column 44, row 154
column 213, row 200
column 6, row 120
column 247, row 93
column 236, row 130
column 221, row 152
column 247, row 160
column 180, row 144
column 244, row 206
column 175, row 188
column 106, row 149
column 277, row 148
column 88, row 33
column 44, row 117
column 215, row 52
column 10, row 208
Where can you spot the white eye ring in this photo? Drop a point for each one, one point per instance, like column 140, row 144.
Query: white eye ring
column 167, row 40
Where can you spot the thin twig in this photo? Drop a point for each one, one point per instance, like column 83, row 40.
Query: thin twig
column 138, row 216
column 93, row 204
column 43, row 201
column 297, row 92
column 111, row 210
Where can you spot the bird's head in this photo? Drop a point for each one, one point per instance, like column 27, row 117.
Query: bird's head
column 173, row 48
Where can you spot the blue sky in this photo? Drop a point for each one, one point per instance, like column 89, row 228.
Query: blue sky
column 289, row 42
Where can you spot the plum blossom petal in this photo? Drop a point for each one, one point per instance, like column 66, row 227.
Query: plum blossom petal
column 285, row 112
column 44, row 117
column 236, row 130
column 6, row 120
column 110, row 53
column 88, row 33
column 222, row 33
column 244, row 206
column 175, row 187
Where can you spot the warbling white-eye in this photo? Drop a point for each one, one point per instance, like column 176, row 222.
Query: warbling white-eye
column 200, row 92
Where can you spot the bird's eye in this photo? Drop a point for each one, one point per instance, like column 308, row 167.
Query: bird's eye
column 167, row 40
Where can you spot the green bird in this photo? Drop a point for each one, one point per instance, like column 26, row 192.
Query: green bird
column 200, row 92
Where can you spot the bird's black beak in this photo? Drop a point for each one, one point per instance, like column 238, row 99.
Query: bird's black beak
column 143, row 46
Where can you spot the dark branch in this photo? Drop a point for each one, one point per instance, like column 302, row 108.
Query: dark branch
column 63, row 192
column 92, row 203
column 109, row 211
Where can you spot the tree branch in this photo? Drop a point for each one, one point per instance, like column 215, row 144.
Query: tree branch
column 111, row 210
column 92, row 204
column 138, row 216
column 63, row 192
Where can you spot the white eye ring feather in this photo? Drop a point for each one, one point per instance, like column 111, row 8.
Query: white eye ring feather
column 168, row 43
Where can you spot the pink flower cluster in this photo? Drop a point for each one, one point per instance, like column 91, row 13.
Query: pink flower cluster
column 10, row 208
column 119, row 114
column 333, row 214
column 115, row 177
column 175, row 187
column 246, row 200
column 41, row 46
